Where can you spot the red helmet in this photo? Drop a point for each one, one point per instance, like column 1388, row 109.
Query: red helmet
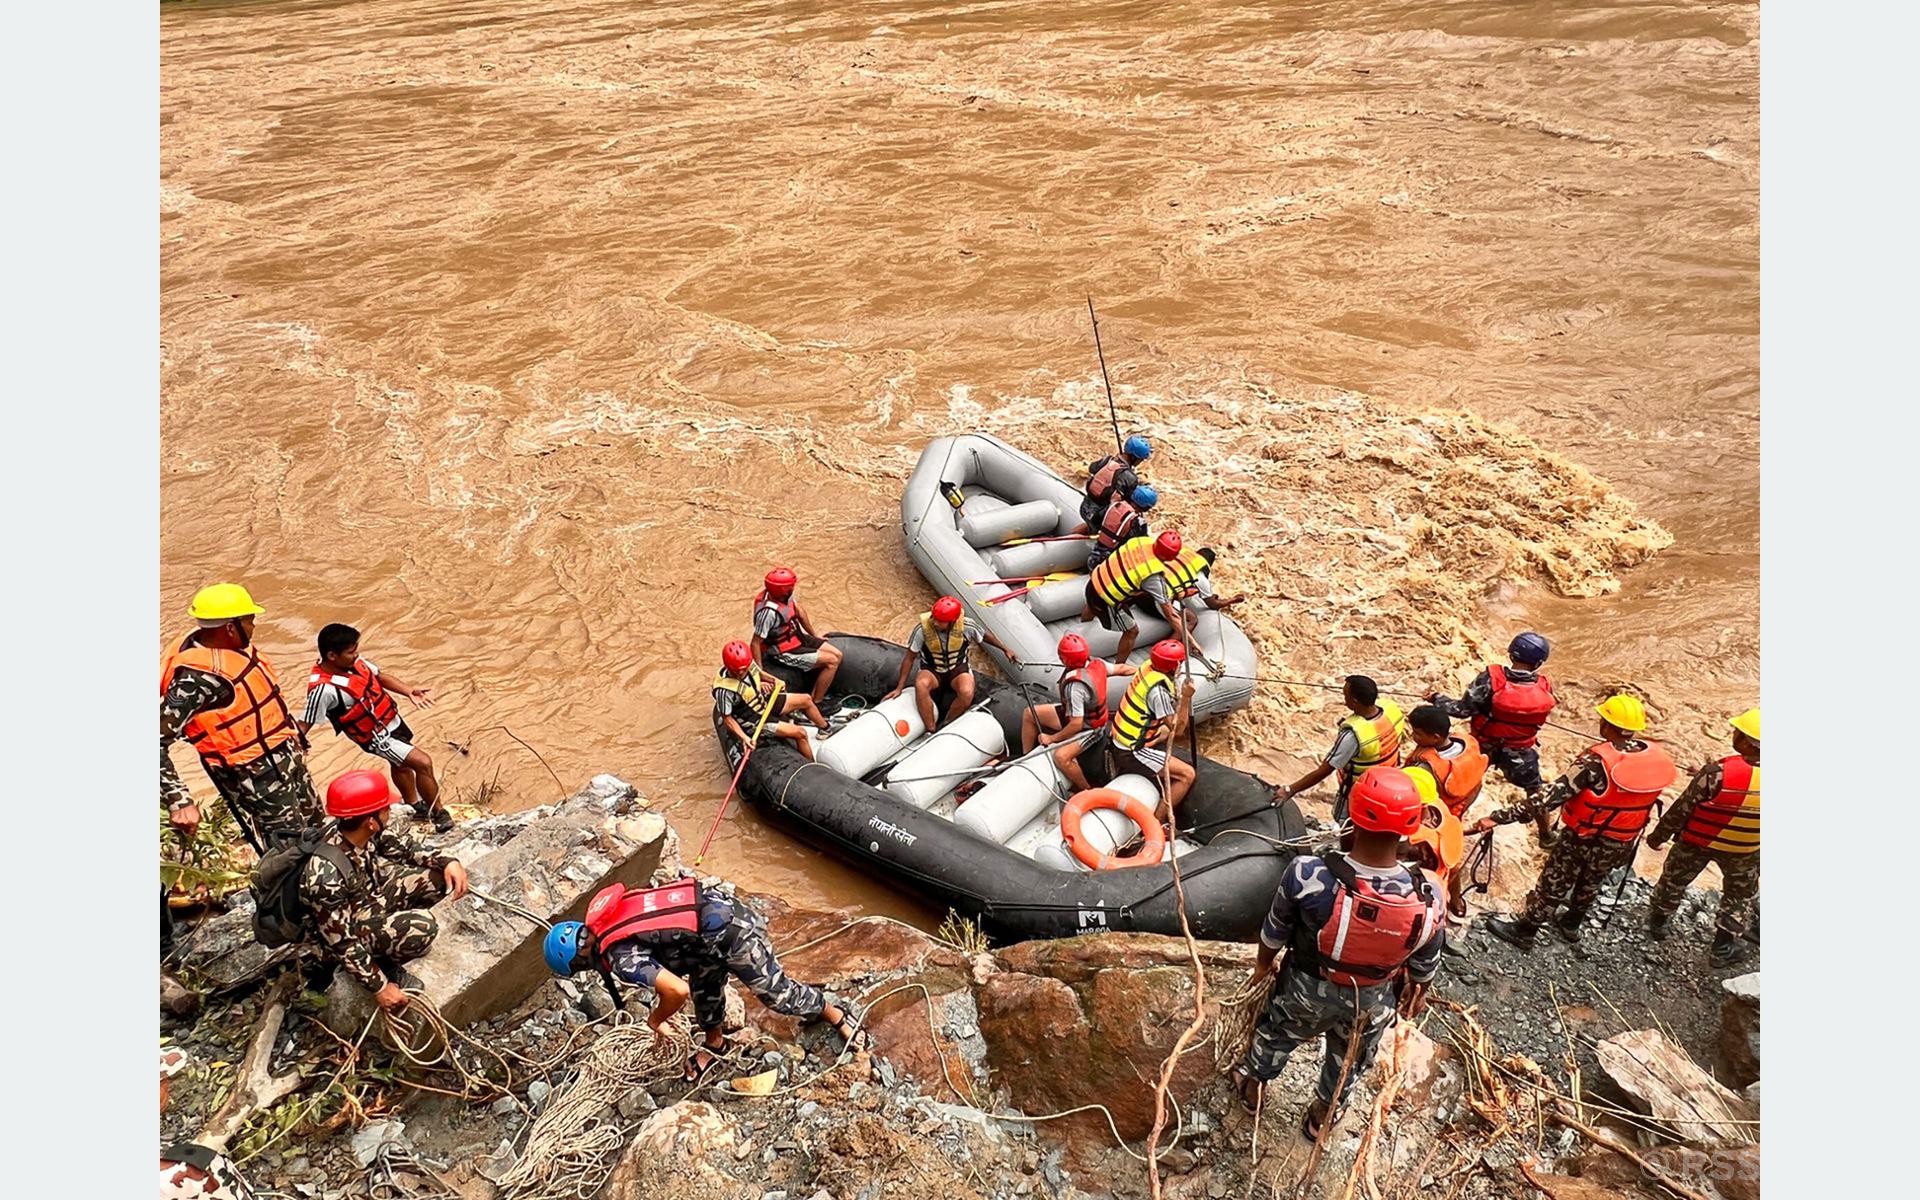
column 780, row 582
column 1167, row 655
column 1073, row 651
column 946, row 610
column 1385, row 800
column 358, row 793
column 735, row 656
column 1166, row 547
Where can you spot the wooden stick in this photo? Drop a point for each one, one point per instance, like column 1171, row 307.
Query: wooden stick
column 256, row 1088
column 1559, row 1116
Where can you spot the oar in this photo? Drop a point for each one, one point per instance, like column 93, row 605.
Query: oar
column 773, row 702
column 1029, row 578
column 1064, row 537
column 1005, row 596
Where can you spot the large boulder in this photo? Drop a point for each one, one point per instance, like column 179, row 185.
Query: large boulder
column 1664, row 1082
column 1739, row 1044
column 680, row 1151
column 486, row 959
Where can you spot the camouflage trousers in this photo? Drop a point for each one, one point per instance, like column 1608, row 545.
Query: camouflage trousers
column 1305, row 1007
column 1739, row 883
column 401, row 928
column 1575, row 869
column 272, row 795
column 749, row 958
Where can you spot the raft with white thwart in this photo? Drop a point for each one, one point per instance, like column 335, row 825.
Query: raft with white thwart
column 1010, row 499
column 881, row 795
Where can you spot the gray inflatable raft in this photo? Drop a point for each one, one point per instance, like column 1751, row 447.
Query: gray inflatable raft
column 1010, row 496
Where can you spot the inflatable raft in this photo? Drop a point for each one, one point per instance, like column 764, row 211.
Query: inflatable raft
column 1010, row 498
column 881, row 795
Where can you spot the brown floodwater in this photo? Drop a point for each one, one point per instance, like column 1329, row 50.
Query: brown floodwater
column 526, row 337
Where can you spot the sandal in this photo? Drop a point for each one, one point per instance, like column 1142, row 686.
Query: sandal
column 1317, row 1119
column 701, row 1061
column 858, row 1040
column 1248, row 1088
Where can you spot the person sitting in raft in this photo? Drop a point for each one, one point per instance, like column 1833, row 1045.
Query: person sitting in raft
column 1141, row 734
column 1082, row 707
column 741, row 695
column 1114, row 475
column 683, row 940
column 939, row 645
column 352, row 695
column 780, row 623
column 1368, row 738
column 1124, row 520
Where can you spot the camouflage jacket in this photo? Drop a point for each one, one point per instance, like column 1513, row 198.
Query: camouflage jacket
column 1706, row 783
column 344, row 910
column 188, row 693
column 1585, row 772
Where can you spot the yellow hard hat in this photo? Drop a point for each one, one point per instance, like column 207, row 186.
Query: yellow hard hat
column 222, row 602
column 1748, row 723
column 1624, row 712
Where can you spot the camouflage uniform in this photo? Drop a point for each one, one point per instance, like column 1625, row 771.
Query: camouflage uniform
column 380, row 914
column 272, row 795
column 1575, row 866
column 732, row 941
column 192, row 1172
column 1521, row 768
column 1739, row 873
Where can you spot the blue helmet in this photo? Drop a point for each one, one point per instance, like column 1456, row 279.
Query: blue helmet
column 1529, row 648
column 1138, row 448
column 1144, row 497
column 563, row 945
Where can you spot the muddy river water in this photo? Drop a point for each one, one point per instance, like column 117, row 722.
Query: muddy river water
column 527, row 336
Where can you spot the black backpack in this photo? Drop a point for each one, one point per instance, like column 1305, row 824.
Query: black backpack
column 280, row 916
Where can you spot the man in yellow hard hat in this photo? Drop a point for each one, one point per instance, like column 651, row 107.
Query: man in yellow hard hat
column 1608, row 792
column 219, row 692
column 1718, row 820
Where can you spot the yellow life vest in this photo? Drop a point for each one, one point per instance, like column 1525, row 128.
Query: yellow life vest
column 1124, row 573
column 1379, row 739
column 1135, row 723
column 747, row 687
column 1728, row 820
column 1183, row 573
column 946, row 649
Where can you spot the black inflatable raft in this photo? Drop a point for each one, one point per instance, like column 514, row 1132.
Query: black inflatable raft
column 1229, row 879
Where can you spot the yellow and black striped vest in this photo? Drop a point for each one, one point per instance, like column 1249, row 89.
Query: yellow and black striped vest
column 1133, row 724
column 1728, row 820
column 1122, row 575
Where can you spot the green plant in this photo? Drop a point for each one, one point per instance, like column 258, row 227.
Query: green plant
column 213, row 859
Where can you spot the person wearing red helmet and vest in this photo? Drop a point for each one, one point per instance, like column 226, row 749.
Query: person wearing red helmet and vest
column 1367, row 738
column 1141, row 734
column 1361, row 933
column 1506, row 707
column 219, row 693
column 781, row 625
column 745, row 700
column 938, row 646
column 1082, row 707
column 1718, row 821
column 1608, row 794
column 356, row 698
column 367, row 890
column 682, row 940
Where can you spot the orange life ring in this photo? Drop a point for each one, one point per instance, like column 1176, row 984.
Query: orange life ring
column 1133, row 809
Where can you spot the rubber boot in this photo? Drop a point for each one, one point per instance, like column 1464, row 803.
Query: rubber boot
column 1568, row 927
column 1515, row 931
column 1726, row 949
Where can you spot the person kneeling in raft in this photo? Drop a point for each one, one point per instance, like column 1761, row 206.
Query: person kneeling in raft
column 683, row 940
column 1082, row 707
column 742, row 694
column 939, row 644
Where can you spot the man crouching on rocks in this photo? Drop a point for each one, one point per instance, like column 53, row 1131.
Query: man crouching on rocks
column 1352, row 924
column 684, row 939
column 366, row 906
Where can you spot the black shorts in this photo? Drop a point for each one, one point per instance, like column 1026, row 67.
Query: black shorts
column 1134, row 762
column 965, row 668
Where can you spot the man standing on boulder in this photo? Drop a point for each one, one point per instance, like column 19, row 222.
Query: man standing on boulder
column 367, row 891
column 220, row 693
column 1506, row 708
column 1718, row 820
column 1362, row 934
column 356, row 698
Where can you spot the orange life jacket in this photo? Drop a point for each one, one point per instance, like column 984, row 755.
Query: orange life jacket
column 1094, row 675
column 786, row 636
column 1518, row 710
column 1459, row 777
column 370, row 708
column 1122, row 521
column 1369, row 935
column 1620, row 810
column 1729, row 820
column 1100, row 483
column 255, row 721
column 617, row 914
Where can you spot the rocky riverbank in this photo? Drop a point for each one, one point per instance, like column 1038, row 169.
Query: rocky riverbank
column 1026, row 1070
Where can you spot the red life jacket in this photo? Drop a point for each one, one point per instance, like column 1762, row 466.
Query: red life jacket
column 617, row 914
column 1094, row 675
column 369, row 708
column 1621, row 809
column 1121, row 522
column 1729, row 820
column 1369, row 936
column 1519, row 710
column 1100, row 483
column 786, row 635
